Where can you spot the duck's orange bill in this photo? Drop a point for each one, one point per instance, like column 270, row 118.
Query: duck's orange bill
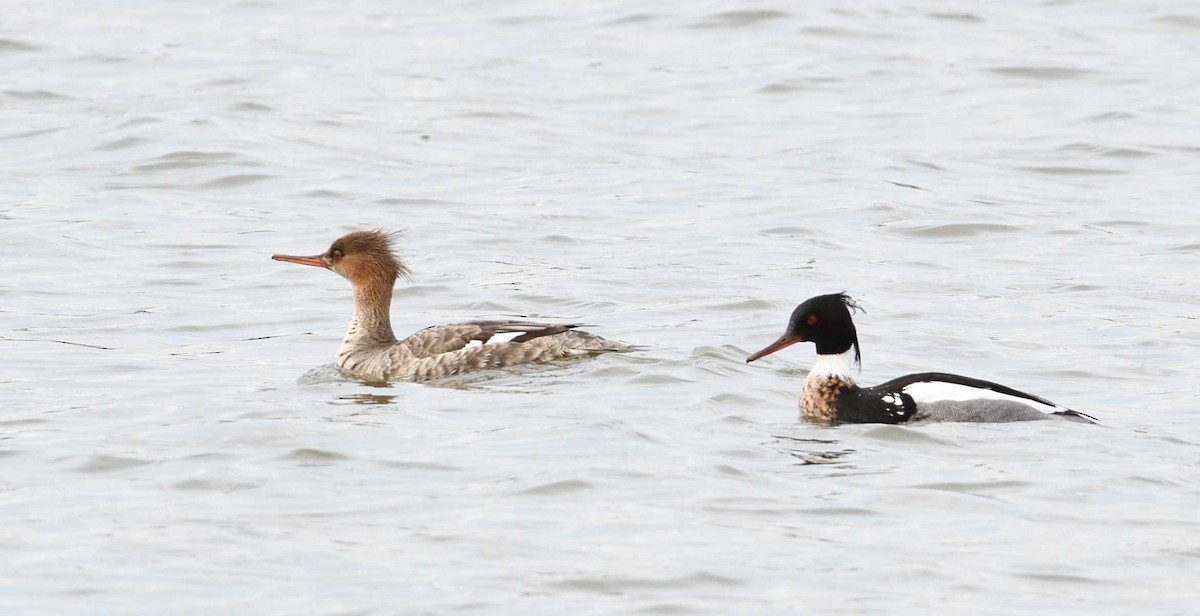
column 784, row 341
column 315, row 261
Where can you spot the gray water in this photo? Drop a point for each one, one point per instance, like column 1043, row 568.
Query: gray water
column 1007, row 189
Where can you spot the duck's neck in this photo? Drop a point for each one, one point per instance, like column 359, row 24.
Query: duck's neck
column 830, row 376
column 372, row 323
column 833, row 366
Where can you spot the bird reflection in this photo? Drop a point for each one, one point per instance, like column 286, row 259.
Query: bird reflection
column 367, row 399
column 811, row 450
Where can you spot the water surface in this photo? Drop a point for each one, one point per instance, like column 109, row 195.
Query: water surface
column 1007, row 190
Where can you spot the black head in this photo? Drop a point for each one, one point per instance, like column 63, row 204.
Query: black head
column 823, row 320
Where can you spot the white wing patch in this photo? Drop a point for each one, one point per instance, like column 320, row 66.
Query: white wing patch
column 897, row 403
column 504, row 337
column 925, row 392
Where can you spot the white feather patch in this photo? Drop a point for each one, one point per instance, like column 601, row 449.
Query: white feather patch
column 504, row 337
column 936, row 391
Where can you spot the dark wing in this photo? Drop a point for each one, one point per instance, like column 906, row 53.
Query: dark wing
column 876, row 405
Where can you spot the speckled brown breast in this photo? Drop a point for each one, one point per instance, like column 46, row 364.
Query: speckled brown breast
column 818, row 400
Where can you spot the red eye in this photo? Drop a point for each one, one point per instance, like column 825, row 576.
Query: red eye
column 812, row 319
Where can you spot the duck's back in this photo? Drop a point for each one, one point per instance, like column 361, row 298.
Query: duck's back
column 447, row 350
column 939, row 396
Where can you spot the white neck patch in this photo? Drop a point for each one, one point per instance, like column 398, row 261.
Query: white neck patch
column 840, row 365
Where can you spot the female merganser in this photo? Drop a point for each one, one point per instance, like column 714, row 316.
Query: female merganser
column 830, row 394
column 371, row 352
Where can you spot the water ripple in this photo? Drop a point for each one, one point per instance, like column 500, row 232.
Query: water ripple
column 15, row 46
column 1042, row 73
column 740, row 19
column 959, row 230
column 556, row 488
column 620, row 584
column 111, row 464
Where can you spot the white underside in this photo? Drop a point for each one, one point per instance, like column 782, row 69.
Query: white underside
column 937, row 391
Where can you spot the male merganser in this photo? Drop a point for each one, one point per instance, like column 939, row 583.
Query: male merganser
column 371, row 352
column 830, row 394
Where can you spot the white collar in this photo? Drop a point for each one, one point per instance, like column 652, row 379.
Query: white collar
column 839, row 365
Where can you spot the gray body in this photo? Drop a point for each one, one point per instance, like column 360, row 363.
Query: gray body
column 984, row 411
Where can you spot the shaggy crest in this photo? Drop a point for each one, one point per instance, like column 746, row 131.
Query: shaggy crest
column 852, row 306
column 849, row 303
column 373, row 247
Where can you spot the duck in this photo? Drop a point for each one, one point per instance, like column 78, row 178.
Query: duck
column 830, row 394
column 370, row 350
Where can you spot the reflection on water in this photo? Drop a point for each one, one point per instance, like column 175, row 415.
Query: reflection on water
column 323, row 375
column 811, row 450
column 365, row 399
